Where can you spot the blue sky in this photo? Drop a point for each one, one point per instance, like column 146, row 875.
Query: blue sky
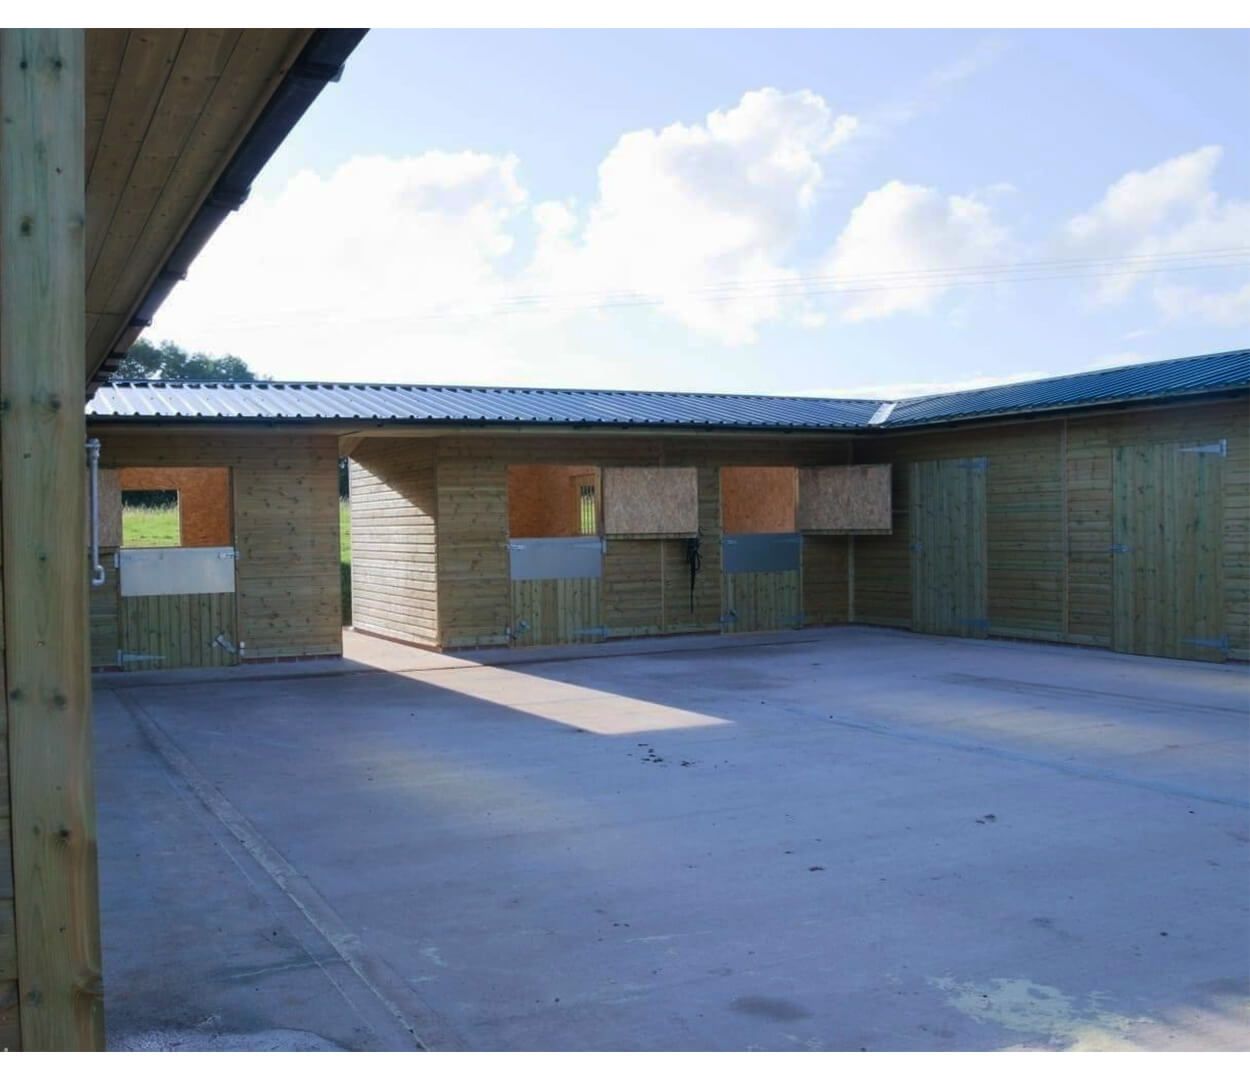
column 779, row 212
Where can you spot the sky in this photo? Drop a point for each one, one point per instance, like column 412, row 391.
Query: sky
column 844, row 213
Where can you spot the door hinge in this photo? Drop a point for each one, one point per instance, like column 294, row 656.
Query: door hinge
column 124, row 657
column 1219, row 448
column 1119, row 549
column 1220, row 643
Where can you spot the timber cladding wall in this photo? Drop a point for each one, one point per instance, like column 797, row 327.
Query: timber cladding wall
column 286, row 528
column 1048, row 519
column 431, row 530
column 394, row 516
column 1038, row 557
column 646, row 583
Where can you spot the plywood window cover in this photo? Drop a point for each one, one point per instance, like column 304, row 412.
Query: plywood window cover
column 841, row 499
column 650, row 503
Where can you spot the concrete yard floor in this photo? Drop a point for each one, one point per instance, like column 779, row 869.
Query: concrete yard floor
column 842, row 840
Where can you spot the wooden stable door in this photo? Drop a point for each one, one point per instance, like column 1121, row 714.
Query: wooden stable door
column 948, row 547
column 763, row 582
column 1167, row 530
column 177, row 608
column 197, row 630
column 557, row 590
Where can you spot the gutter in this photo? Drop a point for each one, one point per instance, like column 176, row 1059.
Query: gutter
column 319, row 62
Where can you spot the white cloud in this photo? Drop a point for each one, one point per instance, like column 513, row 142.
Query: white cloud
column 1223, row 308
column 388, row 263
column 1166, row 211
column 902, row 230
column 699, row 217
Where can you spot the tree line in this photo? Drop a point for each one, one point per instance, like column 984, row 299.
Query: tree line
column 170, row 362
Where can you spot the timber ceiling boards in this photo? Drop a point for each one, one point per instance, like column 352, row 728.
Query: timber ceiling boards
column 178, row 123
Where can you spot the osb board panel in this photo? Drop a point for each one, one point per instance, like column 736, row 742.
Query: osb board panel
column 286, row 520
column 844, row 499
column 650, row 501
column 825, row 577
column 758, row 499
column 394, row 536
column 203, row 500
column 545, row 500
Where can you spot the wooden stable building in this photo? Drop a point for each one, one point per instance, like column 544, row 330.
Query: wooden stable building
column 1108, row 509
column 121, row 151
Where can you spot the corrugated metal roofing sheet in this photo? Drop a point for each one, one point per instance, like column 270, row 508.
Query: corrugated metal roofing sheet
column 468, row 405
column 474, row 405
column 1166, row 378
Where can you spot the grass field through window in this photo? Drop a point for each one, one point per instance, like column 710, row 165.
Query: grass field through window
column 144, row 526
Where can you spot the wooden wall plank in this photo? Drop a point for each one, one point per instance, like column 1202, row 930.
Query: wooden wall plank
column 394, row 533
column 52, row 797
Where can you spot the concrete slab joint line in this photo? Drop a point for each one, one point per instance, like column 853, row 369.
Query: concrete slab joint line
column 398, row 1000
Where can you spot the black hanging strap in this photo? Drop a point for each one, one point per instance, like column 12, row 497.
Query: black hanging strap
column 694, row 560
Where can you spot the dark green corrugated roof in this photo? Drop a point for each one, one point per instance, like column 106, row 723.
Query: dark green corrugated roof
column 389, row 403
column 1136, row 382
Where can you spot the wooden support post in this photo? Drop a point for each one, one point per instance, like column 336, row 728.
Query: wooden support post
column 42, row 494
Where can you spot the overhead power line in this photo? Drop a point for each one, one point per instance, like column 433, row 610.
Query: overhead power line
column 802, row 286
